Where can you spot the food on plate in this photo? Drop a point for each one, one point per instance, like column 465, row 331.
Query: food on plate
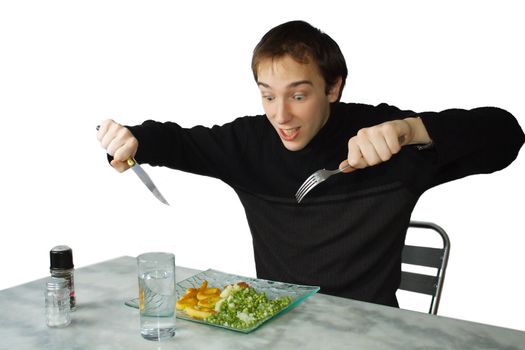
column 199, row 302
column 209, row 302
column 185, row 301
column 199, row 312
column 237, row 305
column 208, row 293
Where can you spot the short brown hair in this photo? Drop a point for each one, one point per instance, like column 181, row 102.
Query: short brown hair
column 303, row 42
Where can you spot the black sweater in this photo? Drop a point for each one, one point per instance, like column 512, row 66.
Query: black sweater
column 348, row 233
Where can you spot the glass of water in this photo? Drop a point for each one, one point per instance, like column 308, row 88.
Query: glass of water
column 157, row 295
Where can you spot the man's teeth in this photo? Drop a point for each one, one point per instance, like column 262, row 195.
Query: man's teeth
column 290, row 132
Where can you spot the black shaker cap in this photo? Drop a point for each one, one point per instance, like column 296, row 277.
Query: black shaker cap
column 61, row 257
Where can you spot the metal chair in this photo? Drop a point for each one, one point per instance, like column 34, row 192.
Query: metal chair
column 430, row 257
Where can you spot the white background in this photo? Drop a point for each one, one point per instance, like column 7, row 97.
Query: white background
column 67, row 65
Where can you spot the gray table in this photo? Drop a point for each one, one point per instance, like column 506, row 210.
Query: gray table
column 102, row 321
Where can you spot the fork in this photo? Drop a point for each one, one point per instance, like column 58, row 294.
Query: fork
column 314, row 180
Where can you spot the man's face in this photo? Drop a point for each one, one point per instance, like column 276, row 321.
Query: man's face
column 294, row 99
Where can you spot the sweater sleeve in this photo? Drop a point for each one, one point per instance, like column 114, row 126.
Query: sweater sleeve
column 477, row 141
column 200, row 150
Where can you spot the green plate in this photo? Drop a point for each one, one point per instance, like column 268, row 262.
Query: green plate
column 219, row 279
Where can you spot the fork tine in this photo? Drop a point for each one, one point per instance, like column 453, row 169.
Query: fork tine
column 299, row 197
column 316, row 181
column 311, row 186
column 305, row 184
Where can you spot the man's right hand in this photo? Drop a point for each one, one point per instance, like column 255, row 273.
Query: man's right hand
column 118, row 142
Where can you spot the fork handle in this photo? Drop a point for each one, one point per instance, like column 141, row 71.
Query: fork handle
column 345, row 167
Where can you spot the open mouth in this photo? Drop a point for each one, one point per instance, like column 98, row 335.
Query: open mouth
column 289, row 134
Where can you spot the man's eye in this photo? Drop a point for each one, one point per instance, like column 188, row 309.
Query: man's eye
column 298, row 97
column 268, row 98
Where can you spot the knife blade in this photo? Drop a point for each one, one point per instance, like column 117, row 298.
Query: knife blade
column 146, row 180
column 144, row 177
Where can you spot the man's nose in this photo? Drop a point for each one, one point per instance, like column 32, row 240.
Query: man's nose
column 283, row 114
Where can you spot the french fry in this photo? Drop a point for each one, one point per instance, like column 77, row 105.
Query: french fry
column 199, row 302
column 209, row 302
column 208, row 292
column 204, row 285
column 183, row 302
column 191, row 291
column 197, row 312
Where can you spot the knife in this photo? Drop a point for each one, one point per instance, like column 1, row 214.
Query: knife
column 144, row 177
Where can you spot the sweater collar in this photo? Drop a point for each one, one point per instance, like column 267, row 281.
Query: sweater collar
column 324, row 135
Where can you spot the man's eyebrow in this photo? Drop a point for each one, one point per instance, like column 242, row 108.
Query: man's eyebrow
column 300, row 82
column 291, row 85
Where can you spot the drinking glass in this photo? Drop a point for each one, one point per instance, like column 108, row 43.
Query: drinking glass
column 157, row 295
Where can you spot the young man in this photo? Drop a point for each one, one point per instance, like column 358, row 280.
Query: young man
column 348, row 233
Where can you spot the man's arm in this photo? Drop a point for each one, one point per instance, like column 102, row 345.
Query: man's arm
column 216, row 152
column 481, row 140
column 477, row 141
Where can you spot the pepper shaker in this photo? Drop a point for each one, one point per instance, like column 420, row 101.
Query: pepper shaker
column 62, row 267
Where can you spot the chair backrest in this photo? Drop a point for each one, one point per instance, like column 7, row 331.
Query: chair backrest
column 429, row 257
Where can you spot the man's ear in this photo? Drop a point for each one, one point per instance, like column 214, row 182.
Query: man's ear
column 335, row 90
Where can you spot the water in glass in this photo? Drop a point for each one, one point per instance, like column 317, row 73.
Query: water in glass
column 157, row 302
